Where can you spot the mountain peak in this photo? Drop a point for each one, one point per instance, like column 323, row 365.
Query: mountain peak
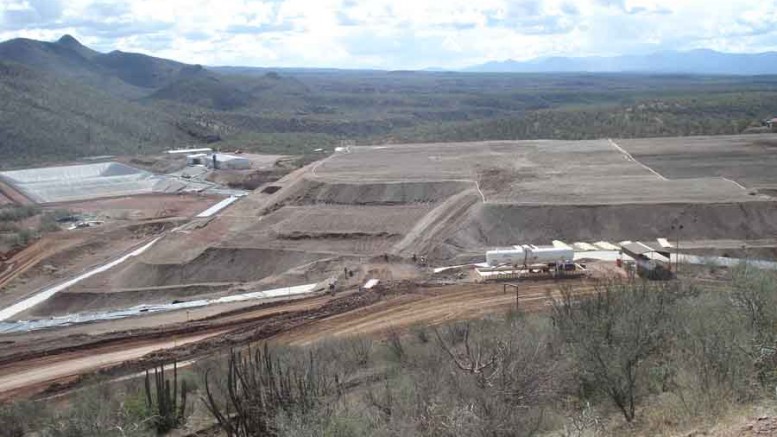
column 72, row 44
column 69, row 41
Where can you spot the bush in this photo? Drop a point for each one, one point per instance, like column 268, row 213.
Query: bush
column 613, row 333
column 15, row 213
column 22, row 237
column 48, row 223
column 97, row 411
column 18, row 419
column 656, row 354
column 259, row 386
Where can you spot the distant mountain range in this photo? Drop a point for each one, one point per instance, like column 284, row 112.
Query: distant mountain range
column 119, row 73
column 60, row 100
column 669, row 62
column 106, row 103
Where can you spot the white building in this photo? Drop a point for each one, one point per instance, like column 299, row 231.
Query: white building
column 196, row 159
column 222, row 161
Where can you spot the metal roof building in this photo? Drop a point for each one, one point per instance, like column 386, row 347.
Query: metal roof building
column 222, row 161
column 651, row 263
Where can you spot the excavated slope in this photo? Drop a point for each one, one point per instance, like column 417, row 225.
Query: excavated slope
column 492, row 225
column 216, row 265
column 315, row 191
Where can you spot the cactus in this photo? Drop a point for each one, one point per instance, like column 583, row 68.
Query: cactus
column 162, row 400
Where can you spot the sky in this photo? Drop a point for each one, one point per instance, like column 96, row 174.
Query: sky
column 394, row 34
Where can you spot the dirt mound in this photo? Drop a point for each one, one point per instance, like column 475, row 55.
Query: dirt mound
column 490, row 225
column 313, row 192
column 214, row 265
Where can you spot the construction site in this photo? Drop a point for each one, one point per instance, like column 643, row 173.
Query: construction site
column 366, row 239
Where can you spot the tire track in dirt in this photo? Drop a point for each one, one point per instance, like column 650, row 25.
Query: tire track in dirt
column 31, row 256
column 56, row 362
column 15, row 196
column 469, row 302
column 437, row 224
column 634, row 160
column 46, row 370
column 295, row 323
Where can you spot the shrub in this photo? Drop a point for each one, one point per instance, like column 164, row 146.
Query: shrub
column 613, row 333
column 15, row 213
column 259, row 386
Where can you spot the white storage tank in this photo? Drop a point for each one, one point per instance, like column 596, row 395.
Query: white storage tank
column 514, row 255
column 528, row 255
column 548, row 254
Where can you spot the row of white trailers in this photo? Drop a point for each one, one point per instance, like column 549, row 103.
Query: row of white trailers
column 528, row 255
column 562, row 253
column 559, row 259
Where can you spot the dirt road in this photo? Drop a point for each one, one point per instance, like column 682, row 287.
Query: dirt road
column 33, row 375
column 299, row 322
column 31, row 256
column 38, row 360
column 427, row 307
column 14, row 196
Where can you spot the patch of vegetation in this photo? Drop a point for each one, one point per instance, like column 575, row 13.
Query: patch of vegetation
column 120, row 103
column 48, row 119
column 643, row 357
column 21, row 225
column 16, row 213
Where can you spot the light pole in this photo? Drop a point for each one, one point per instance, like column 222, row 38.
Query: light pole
column 677, row 227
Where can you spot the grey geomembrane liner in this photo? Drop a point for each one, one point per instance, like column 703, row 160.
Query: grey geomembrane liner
column 81, row 182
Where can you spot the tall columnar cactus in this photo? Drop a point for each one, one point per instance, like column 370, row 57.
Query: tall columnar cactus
column 162, row 401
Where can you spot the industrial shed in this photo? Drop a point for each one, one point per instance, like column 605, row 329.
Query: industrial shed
column 222, row 161
column 651, row 263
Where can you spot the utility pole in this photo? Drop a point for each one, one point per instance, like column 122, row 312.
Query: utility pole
column 677, row 227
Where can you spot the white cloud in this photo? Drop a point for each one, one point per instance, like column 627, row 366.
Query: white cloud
column 393, row 33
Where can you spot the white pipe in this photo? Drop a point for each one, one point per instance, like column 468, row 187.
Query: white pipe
column 218, row 207
column 73, row 319
column 48, row 293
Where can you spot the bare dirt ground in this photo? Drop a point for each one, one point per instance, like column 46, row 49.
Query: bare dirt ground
column 371, row 210
column 61, row 255
column 30, row 363
column 61, row 367
column 145, row 207
column 12, row 195
column 530, row 172
column 27, row 258
column 748, row 159
column 431, row 306
column 449, row 203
